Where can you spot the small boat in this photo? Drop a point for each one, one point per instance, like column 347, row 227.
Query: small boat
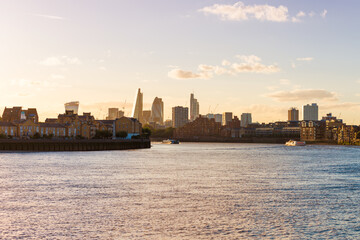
column 295, row 143
column 170, row 141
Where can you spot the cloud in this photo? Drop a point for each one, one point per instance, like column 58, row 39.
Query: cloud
column 252, row 64
column 323, row 14
column 181, row 74
column 225, row 63
column 58, row 61
column 241, row 12
column 303, row 95
column 301, row 14
column 49, row 17
column 345, row 105
column 248, row 64
column 306, row 59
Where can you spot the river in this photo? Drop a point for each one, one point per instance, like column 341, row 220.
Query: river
column 186, row 191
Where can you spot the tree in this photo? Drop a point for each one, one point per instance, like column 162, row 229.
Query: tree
column 102, row 134
column 121, row 134
column 3, row 136
column 146, row 132
column 36, row 136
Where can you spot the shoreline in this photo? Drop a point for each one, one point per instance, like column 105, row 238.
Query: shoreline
column 250, row 140
column 56, row 145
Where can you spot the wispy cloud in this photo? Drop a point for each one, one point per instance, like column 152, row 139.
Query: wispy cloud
column 323, row 14
column 58, row 61
column 344, row 105
column 247, row 64
column 241, row 12
column 303, row 95
column 181, row 74
column 305, row 59
column 52, row 17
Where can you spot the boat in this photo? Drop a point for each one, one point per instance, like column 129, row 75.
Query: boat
column 295, row 143
column 170, row 141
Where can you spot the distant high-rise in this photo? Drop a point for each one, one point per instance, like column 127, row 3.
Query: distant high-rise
column 72, row 106
column 157, row 111
column 138, row 106
column 218, row 118
column 194, row 108
column 293, row 115
column 311, row 112
column 146, row 116
column 246, row 119
column 226, row 118
column 114, row 113
column 180, row 116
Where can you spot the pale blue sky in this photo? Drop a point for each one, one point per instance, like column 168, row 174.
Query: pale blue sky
column 100, row 52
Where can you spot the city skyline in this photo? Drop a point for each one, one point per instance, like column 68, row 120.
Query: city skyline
column 242, row 60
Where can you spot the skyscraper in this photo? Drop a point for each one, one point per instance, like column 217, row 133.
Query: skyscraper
column 157, row 111
column 226, row 118
column 293, row 115
column 138, row 106
column 311, row 112
column 180, row 116
column 146, row 116
column 246, row 119
column 194, row 107
column 72, row 106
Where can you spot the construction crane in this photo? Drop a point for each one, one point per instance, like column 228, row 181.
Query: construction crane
column 123, row 108
column 215, row 108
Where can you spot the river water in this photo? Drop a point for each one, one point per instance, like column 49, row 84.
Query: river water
column 186, row 191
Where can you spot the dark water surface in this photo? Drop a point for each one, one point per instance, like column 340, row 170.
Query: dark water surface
column 186, row 191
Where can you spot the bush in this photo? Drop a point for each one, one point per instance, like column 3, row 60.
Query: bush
column 102, row 134
column 50, row 136
column 79, row 137
column 36, row 136
column 146, row 132
column 3, row 136
column 121, row 134
column 163, row 133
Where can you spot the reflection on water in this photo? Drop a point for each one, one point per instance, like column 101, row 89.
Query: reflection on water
column 187, row 191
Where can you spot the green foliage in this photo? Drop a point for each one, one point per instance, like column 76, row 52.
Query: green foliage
column 121, row 134
column 50, row 136
column 36, row 136
column 135, row 137
column 146, row 132
column 3, row 136
column 163, row 133
column 102, row 134
column 79, row 137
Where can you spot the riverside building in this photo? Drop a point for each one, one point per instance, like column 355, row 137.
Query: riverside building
column 180, row 116
column 311, row 112
column 246, row 119
column 293, row 115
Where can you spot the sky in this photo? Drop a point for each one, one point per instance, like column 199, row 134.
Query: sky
column 253, row 56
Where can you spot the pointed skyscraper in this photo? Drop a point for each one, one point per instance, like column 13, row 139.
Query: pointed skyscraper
column 138, row 106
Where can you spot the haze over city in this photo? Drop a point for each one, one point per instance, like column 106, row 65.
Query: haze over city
column 261, row 57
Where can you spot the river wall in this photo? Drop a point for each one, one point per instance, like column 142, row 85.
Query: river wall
column 33, row 145
column 233, row 140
